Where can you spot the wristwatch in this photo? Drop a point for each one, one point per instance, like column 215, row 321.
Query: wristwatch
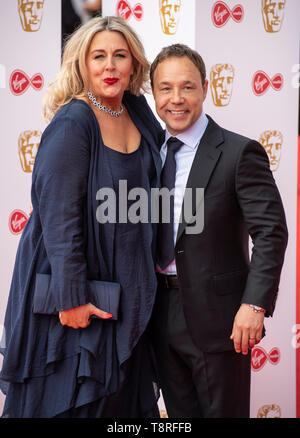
column 257, row 308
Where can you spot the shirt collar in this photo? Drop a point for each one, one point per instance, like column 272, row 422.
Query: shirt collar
column 193, row 135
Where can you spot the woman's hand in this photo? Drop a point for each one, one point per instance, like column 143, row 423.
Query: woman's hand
column 79, row 317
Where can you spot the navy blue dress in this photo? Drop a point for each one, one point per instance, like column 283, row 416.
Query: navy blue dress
column 106, row 369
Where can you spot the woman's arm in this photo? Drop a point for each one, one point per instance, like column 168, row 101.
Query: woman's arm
column 61, row 181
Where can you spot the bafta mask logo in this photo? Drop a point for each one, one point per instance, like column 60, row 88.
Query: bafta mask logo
column 221, row 83
column 17, row 221
column 269, row 411
column 272, row 143
column 28, row 144
column 169, row 11
column 31, row 13
column 163, row 413
column 273, row 14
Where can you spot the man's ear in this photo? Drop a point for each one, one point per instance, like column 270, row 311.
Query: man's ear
column 205, row 88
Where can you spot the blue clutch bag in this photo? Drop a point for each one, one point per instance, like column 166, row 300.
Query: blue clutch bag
column 103, row 294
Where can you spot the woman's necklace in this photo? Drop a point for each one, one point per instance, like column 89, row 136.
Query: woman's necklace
column 104, row 108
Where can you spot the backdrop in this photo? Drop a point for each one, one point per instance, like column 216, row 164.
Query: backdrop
column 251, row 51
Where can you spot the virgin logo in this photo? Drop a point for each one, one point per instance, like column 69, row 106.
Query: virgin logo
column 261, row 82
column 125, row 11
column 17, row 221
column 221, row 13
column 20, row 81
column 260, row 357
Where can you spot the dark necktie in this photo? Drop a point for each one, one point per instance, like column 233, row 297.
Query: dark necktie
column 166, row 230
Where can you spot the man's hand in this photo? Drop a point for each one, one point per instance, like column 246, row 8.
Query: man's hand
column 79, row 317
column 247, row 328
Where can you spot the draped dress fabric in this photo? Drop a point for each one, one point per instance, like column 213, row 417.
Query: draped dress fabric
column 105, row 369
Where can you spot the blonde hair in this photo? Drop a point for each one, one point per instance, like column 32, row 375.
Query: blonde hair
column 70, row 82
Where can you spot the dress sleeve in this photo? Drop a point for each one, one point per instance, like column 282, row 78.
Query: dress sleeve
column 61, row 181
column 264, row 216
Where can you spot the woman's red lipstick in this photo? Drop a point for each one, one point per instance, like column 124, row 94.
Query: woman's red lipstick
column 111, row 81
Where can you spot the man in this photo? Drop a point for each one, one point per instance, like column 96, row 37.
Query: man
column 211, row 299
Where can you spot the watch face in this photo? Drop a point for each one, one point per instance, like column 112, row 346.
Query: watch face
column 256, row 308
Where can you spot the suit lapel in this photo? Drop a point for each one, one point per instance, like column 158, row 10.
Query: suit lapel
column 205, row 160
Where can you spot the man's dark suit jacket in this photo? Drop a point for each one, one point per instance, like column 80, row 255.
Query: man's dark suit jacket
column 214, row 270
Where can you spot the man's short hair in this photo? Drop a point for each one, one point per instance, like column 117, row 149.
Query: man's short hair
column 179, row 51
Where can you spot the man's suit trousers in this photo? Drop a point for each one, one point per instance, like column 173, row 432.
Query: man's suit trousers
column 196, row 384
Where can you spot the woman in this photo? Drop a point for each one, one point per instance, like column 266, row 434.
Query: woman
column 73, row 365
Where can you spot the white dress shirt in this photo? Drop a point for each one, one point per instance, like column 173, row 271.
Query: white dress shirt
column 184, row 160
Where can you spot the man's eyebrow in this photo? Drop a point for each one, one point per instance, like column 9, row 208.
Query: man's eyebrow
column 189, row 82
column 181, row 83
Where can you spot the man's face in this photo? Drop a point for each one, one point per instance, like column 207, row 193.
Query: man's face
column 169, row 15
column 221, row 85
column 30, row 12
column 273, row 12
column 178, row 93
